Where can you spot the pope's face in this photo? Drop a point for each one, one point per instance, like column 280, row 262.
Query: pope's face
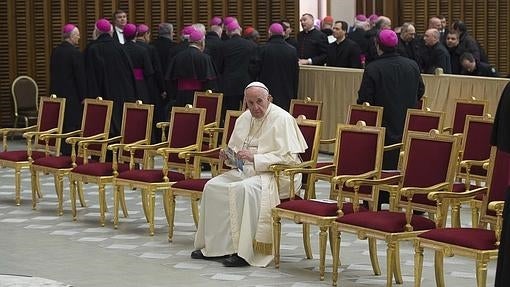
column 257, row 101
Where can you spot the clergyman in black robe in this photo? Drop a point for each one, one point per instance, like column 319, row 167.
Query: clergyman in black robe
column 67, row 79
column 275, row 65
column 501, row 139
column 109, row 73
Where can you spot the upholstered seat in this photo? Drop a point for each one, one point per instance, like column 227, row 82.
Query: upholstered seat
column 317, row 207
column 99, row 168
column 150, row 175
column 20, row 155
column 191, row 184
column 474, row 238
column 58, row 161
column 387, row 221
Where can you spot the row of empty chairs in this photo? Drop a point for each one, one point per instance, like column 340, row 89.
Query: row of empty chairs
column 354, row 175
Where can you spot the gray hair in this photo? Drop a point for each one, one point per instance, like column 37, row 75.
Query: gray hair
column 165, row 29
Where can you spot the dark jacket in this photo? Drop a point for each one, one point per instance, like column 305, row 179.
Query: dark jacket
column 501, row 128
column 213, row 45
column 344, row 54
column 313, row 45
column 482, row 70
column 435, row 57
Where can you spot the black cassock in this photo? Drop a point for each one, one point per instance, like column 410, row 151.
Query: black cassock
column 501, row 139
column 110, row 76
column 191, row 70
column 276, row 65
column 142, row 70
column 67, row 80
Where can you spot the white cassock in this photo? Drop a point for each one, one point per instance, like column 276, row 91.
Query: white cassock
column 235, row 211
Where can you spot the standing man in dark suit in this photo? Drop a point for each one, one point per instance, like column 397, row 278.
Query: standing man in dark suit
column 343, row 52
column 288, row 30
column 67, row 79
column 275, row 65
column 119, row 21
column 213, row 42
column 312, row 43
column 234, row 67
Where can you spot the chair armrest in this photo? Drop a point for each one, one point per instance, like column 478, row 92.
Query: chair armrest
column 372, row 182
column 328, row 141
column 410, row 191
column 468, row 163
column 31, row 134
column 497, row 206
column 154, row 147
column 6, row 131
column 74, row 140
column 161, row 125
column 57, row 136
column 189, row 154
column 292, row 171
column 165, row 151
column 447, row 129
column 341, row 179
column 440, row 196
column 210, row 125
column 279, row 167
column 393, row 146
column 213, row 129
column 86, row 143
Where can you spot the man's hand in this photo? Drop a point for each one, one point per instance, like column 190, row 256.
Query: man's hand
column 245, row 154
column 223, row 156
column 303, row 62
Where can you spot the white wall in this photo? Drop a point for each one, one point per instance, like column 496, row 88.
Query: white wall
column 344, row 10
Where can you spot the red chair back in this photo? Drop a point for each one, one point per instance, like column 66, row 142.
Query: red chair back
column 371, row 115
column 136, row 125
column 466, row 107
column 96, row 120
column 310, row 109
column 211, row 102
column 51, row 115
column 186, row 126
column 498, row 178
column 311, row 130
column 476, row 143
column 424, row 121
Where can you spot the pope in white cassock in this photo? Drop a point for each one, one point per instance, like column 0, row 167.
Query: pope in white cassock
column 235, row 211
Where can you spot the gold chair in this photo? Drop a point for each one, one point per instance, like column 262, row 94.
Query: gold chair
column 49, row 120
column 25, row 93
column 312, row 110
column 358, row 154
column 464, row 107
column 422, row 103
column 136, row 129
column 193, row 187
column 371, row 115
column 429, row 165
column 478, row 243
column 95, row 125
column 185, row 134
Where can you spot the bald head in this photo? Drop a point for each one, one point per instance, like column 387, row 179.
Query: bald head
column 431, row 37
column 383, row 22
column 435, row 23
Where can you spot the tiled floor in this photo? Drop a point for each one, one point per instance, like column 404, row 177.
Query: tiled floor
column 41, row 244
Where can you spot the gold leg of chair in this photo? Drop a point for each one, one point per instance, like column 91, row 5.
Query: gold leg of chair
column 169, row 205
column 397, row 272
column 59, row 188
column 122, row 201
column 418, row 263
column 481, row 272
column 323, row 239
column 72, row 193
column 34, row 185
column 151, row 210
column 277, row 229
column 116, row 193
column 145, row 197
column 38, row 185
column 17, row 180
column 102, row 204
column 372, row 250
column 475, row 215
column 306, row 241
column 194, row 210
column 83, row 203
column 390, row 259
column 335, row 245
column 438, row 268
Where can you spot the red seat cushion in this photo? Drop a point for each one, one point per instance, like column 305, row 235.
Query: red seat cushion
column 191, row 184
column 58, row 161
column 20, row 155
column 481, row 239
column 315, row 207
column 386, row 221
column 150, row 175
column 99, row 168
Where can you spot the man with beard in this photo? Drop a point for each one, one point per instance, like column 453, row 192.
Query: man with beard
column 67, row 79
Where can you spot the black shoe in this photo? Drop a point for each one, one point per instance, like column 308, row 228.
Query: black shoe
column 197, row 254
column 234, row 261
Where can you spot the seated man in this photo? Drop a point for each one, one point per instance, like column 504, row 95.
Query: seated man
column 235, row 212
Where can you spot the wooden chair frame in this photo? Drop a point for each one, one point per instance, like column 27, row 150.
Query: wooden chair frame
column 306, row 102
column 472, row 101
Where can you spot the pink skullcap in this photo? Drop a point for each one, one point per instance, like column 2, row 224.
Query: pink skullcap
column 388, row 38
column 233, row 26
column 196, row 35
column 187, row 30
column 328, row 20
column 373, row 18
column 68, row 28
column 228, row 20
column 142, row 28
column 361, row 18
column 103, row 25
column 276, row 29
column 215, row 21
column 129, row 30
column 248, row 30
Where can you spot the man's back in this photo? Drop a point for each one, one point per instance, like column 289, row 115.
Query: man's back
column 234, row 65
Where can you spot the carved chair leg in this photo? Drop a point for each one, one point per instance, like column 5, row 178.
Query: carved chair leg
column 116, row 193
column 17, row 180
column 438, row 268
column 335, row 244
column 323, row 238
column 481, row 272
column 59, row 187
column 390, row 262
column 72, row 195
column 35, row 191
column 145, row 199
column 397, row 272
column 372, row 250
column 151, row 209
column 418, row 263
column 169, row 204
column 102, row 204
column 79, row 185
column 306, row 241
column 194, row 210
column 277, row 229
